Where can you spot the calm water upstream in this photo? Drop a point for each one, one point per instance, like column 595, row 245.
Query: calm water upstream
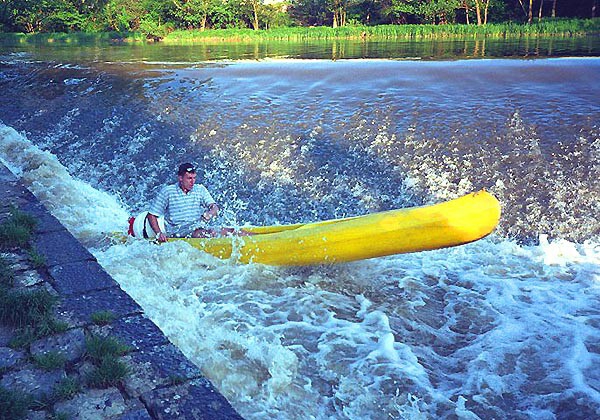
column 507, row 327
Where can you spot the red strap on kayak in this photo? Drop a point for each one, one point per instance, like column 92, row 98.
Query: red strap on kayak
column 130, row 230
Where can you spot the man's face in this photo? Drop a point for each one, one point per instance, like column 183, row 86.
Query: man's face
column 187, row 181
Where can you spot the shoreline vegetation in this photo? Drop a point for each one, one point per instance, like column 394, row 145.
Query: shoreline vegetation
column 547, row 28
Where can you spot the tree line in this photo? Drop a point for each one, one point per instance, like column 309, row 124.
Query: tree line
column 163, row 16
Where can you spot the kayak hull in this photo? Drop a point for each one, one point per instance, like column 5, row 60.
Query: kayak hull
column 455, row 222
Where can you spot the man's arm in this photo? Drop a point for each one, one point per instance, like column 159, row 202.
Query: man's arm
column 211, row 212
column 160, row 236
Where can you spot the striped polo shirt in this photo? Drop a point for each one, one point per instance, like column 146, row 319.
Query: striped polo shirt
column 179, row 208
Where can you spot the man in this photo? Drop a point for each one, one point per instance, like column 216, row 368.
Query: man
column 185, row 206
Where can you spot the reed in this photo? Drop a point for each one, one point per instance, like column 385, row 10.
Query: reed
column 558, row 27
column 548, row 27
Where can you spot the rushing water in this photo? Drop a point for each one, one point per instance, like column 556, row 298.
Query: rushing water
column 507, row 327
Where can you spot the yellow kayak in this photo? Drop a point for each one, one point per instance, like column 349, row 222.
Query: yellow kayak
column 455, row 222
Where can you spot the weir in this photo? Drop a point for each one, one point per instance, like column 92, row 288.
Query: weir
column 162, row 383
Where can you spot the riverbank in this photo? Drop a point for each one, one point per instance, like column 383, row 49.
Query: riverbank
column 546, row 28
column 88, row 351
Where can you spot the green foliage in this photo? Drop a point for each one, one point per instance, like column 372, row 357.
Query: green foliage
column 26, row 308
column 99, row 348
column 30, row 313
column 37, row 260
column 104, row 353
column 13, row 405
column 16, row 230
column 50, row 361
column 177, row 379
column 108, row 372
column 66, row 389
column 103, row 317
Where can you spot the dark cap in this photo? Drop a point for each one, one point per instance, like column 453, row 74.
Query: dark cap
column 186, row 168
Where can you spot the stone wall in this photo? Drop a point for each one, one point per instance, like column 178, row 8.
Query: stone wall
column 161, row 384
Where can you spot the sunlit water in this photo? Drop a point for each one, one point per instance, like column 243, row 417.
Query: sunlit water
column 507, row 327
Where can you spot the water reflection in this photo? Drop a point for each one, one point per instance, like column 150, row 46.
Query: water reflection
column 331, row 49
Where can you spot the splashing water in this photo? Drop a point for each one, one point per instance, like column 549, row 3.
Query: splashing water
column 493, row 329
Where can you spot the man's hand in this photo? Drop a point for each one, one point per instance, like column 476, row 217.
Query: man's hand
column 161, row 237
column 212, row 211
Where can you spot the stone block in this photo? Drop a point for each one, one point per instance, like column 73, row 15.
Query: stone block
column 14, row 193
column 33, row 381
column 37, row 415
column 193, row 400
column 137, row 332
column 80, row 277
column 28, row 278
column 93, row 404
column 10, row 358
column 78, row 309
column 139, row 414
column 135, row 411
column 46, row 222
column 70, row 344
column 61, row 248
column 157, row 366
column 5, row 174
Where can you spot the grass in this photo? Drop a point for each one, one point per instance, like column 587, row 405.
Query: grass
column 104, row 353
column 66, row 389
column 37, row 260
column 109, row 372
column 177, row 379
column 99, row 347
column 30, row 313
column 558, row 27
column 547, row 27
column 103, row 317
column 25, row 308
column 17, row 229
column 13, row 404
column 50, row 361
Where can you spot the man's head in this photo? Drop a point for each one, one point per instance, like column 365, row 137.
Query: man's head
column 187, row 176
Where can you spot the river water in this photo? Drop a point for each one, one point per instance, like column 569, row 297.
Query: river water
column 507, row 327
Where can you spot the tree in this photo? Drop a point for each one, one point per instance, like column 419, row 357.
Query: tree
column 62, row 16
column 275, row 15
column 439, row 11
column 255, row 5
column 124, row 15
column 402, row 10
column 479, row 5
column 309, row 12
column 193, row 13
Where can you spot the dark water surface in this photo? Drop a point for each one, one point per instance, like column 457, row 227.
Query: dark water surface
column 451, row 49
column 507, row 327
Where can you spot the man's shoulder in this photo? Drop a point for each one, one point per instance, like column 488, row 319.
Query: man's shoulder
column 169, row 189
column 199, row 188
